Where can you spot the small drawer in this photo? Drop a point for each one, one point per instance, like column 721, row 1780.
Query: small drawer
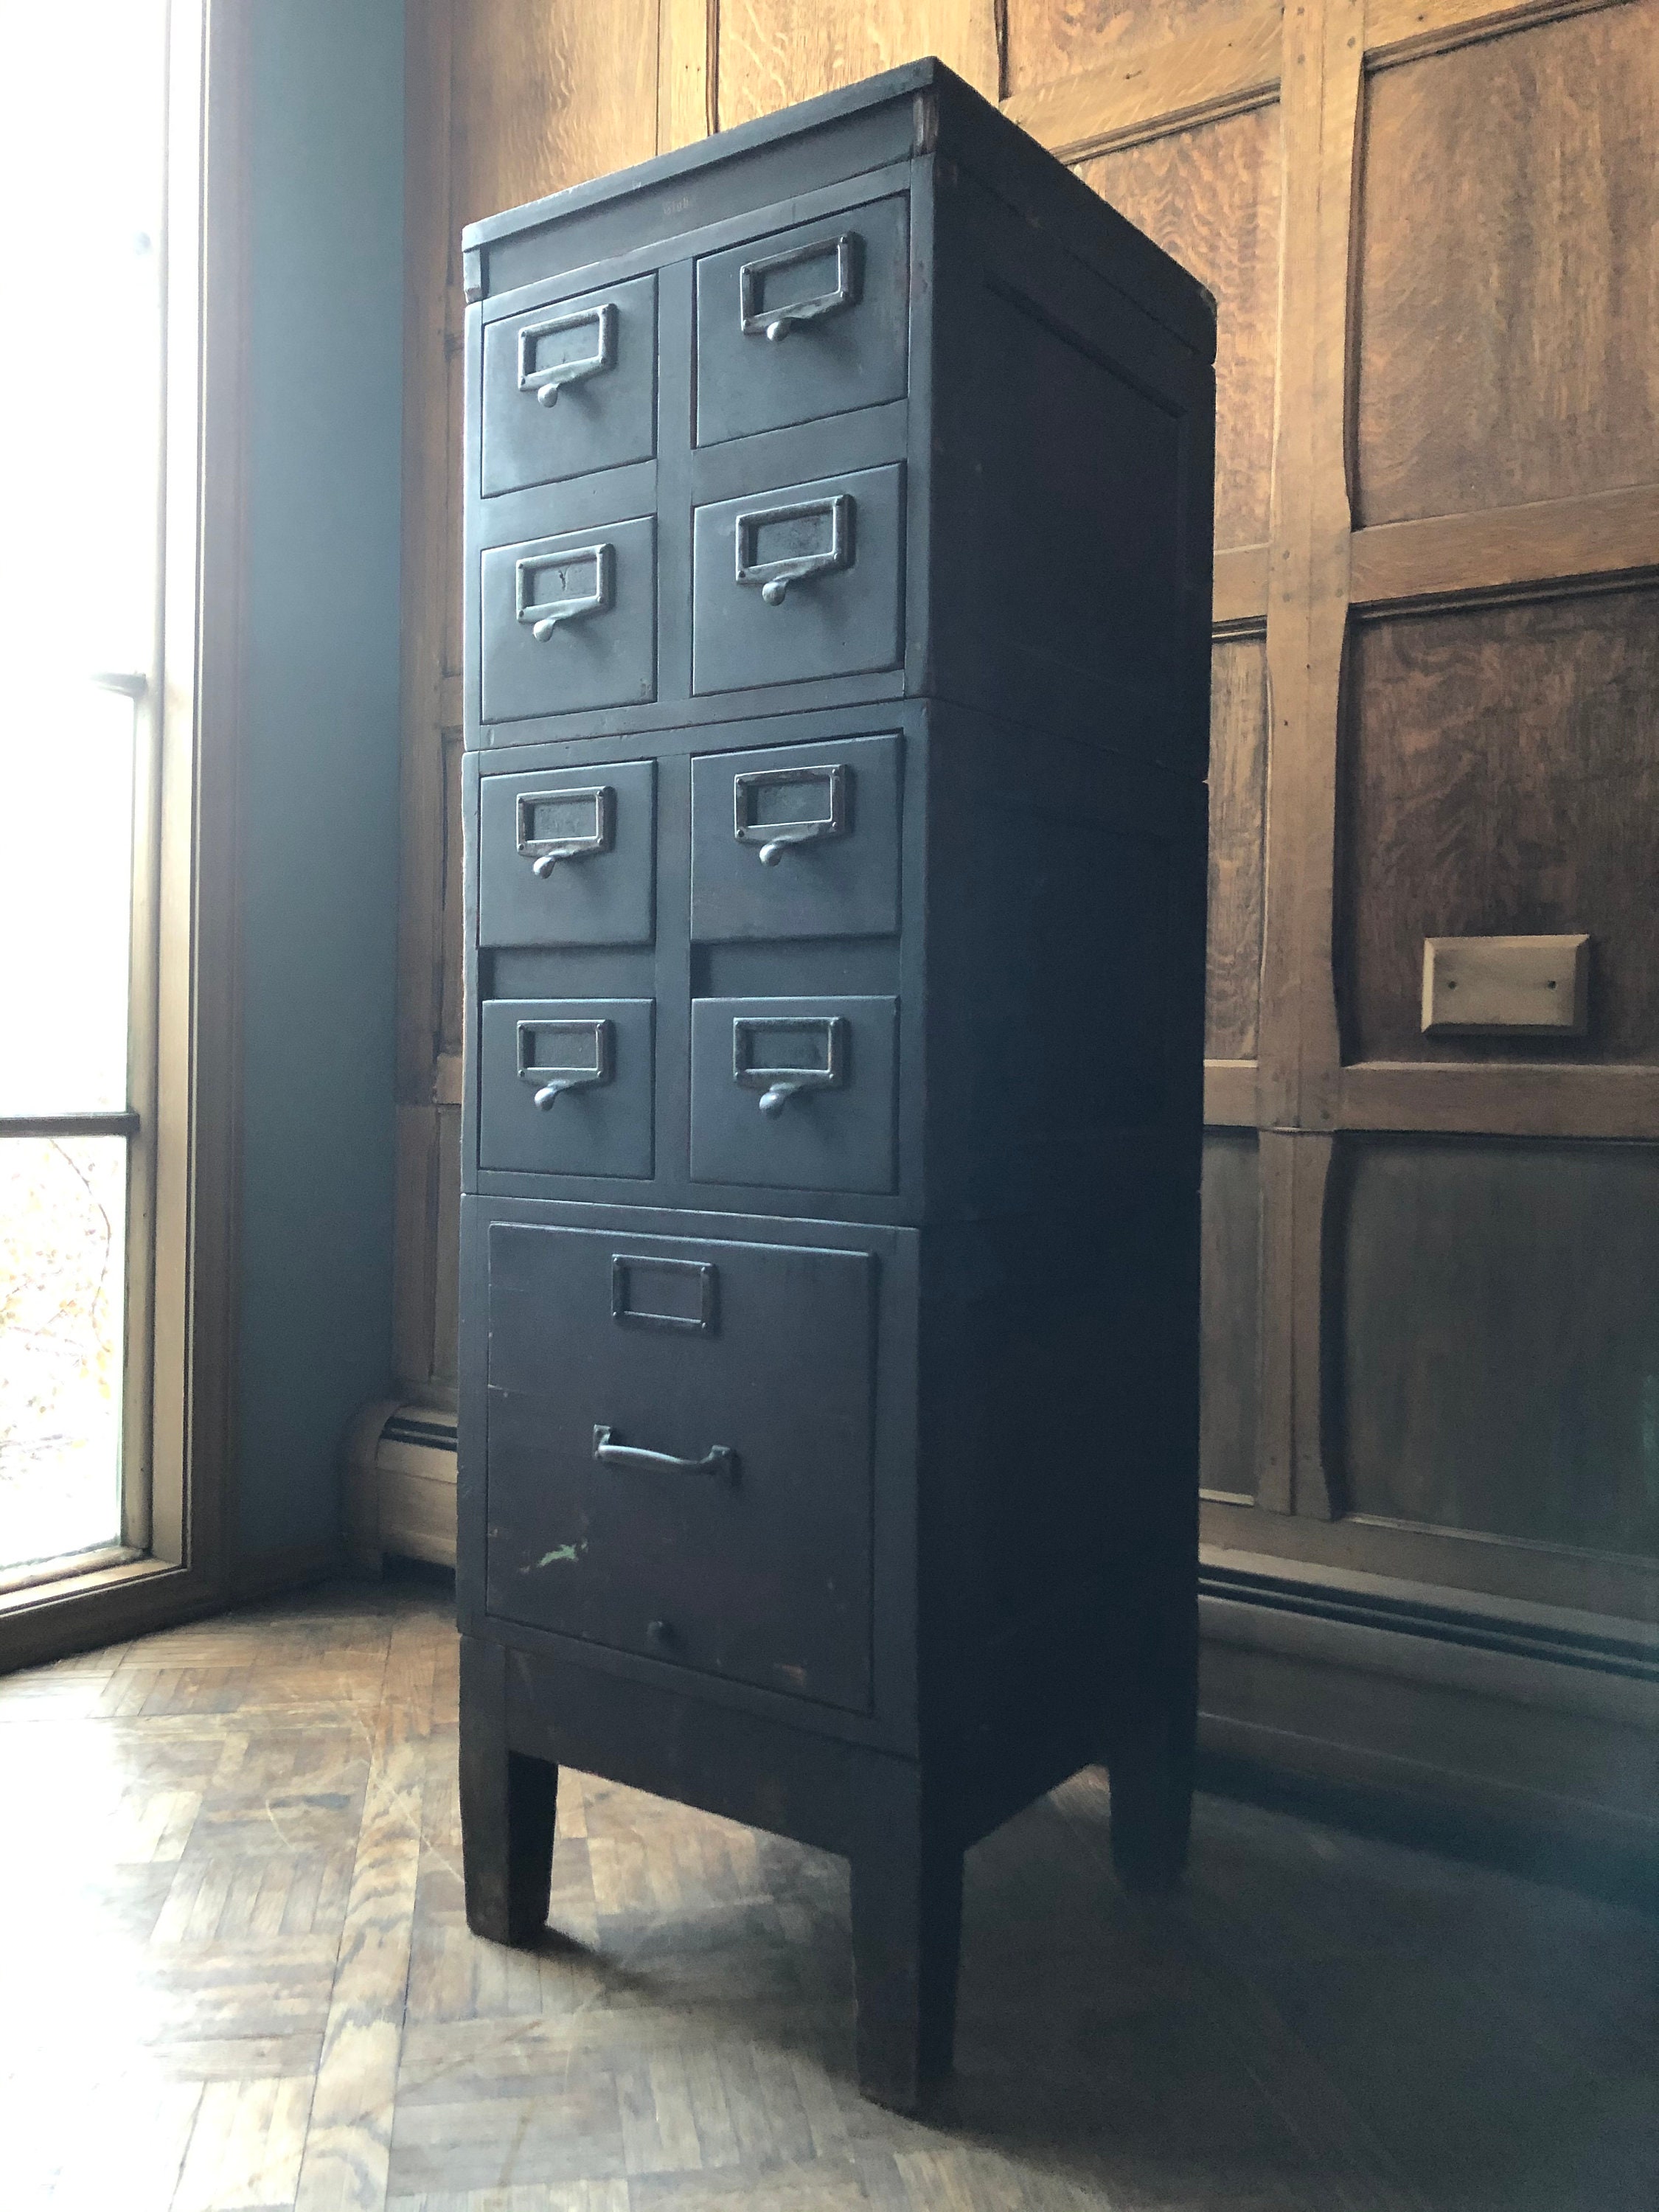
column 567, row 856
column 566, row 1086
column 800, row 840
column 799, row 582
column 793, row 1092
column 679, row 1451
column 804, row 322
column 570, row 622
column 570, row 388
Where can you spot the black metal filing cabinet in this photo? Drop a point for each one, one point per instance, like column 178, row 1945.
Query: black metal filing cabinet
column 838, row 498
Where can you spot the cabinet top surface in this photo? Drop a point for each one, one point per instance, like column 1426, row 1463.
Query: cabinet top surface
column 950, row 118
column 891, row 87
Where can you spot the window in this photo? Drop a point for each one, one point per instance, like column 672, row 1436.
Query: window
column 108, row 795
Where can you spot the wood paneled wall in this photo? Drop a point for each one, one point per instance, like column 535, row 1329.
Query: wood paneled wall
column 1428, row 225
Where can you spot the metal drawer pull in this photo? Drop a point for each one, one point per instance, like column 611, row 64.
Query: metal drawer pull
column 543, row 853
column 720, row 1460
column 553, row 1081
column 754, row 318
column 774, row 577
column 774, row 838
column 548, row 383
column 544, row 616
column 778, row 1085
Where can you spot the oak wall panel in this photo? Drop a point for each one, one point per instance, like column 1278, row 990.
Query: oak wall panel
column 1209, row 196
column 547, row 96
column 1238, row 799
column 1051, row 39
column 1509, row 287
column 1503, row 778
column 1523, row 1400
column 1231, row 1235
column 452, row 1011
column 774, row 52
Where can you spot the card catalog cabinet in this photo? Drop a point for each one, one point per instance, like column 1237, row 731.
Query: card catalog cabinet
column 837, row 690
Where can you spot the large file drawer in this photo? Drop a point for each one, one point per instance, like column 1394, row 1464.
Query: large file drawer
column 679, row 1451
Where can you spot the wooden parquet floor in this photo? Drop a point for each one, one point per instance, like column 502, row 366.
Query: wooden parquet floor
column 235, row 1974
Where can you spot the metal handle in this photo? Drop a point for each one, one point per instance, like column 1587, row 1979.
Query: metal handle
column 548, row 383
column 754, row 318
column 545, row 853
column 778, row 1085
column 720, row 1460
column 544, row 616
column 550, row 1093
column 774, row 577
column 774, row 838
column 552, row 1083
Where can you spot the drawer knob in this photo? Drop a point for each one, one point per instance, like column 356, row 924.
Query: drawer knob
column 774, row 839
column 547, row 383
column 552, row 1078
column 777, row 1081
column 774, row 578
column 659, row 1634
column 550, row 1093
column 542, row 617
column 754, row 318
column 582, row 823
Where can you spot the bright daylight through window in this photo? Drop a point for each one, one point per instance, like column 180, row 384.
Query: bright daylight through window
column 83, row 96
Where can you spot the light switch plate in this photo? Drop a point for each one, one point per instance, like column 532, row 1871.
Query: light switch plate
column 1491, row 984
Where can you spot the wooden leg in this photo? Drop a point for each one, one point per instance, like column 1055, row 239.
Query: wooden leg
column 907, row 1937
column 508, row 1805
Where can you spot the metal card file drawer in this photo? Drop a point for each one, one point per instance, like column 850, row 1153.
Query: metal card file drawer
column 568, row 856
column 797, row 581
column 566, row 1086
column 796, row 1093
column 679, row 1451
column 803, row 322
column 570, row 622
column 799, row 841
column 570, row 388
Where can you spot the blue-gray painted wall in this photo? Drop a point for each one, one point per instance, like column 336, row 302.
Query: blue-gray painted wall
column 319, row 771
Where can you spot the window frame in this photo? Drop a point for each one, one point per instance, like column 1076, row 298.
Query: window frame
column 181, row 1127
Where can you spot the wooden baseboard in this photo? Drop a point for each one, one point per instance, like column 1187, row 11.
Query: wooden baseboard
column 1532, row 1734
column 294, row 1566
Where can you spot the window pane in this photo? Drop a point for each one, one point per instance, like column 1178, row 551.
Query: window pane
column 82, row 94
column 66, row 906
column 62, row 1217
column 81, row 111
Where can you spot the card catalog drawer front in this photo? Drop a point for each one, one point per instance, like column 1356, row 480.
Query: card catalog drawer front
column 799, row 581
column 567, row 856
column 804, row 322
column 793, row 1092
column 799, row 841
column 679, row 1451
column 570, row 388
column 570, row 622
column 566, row 1086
